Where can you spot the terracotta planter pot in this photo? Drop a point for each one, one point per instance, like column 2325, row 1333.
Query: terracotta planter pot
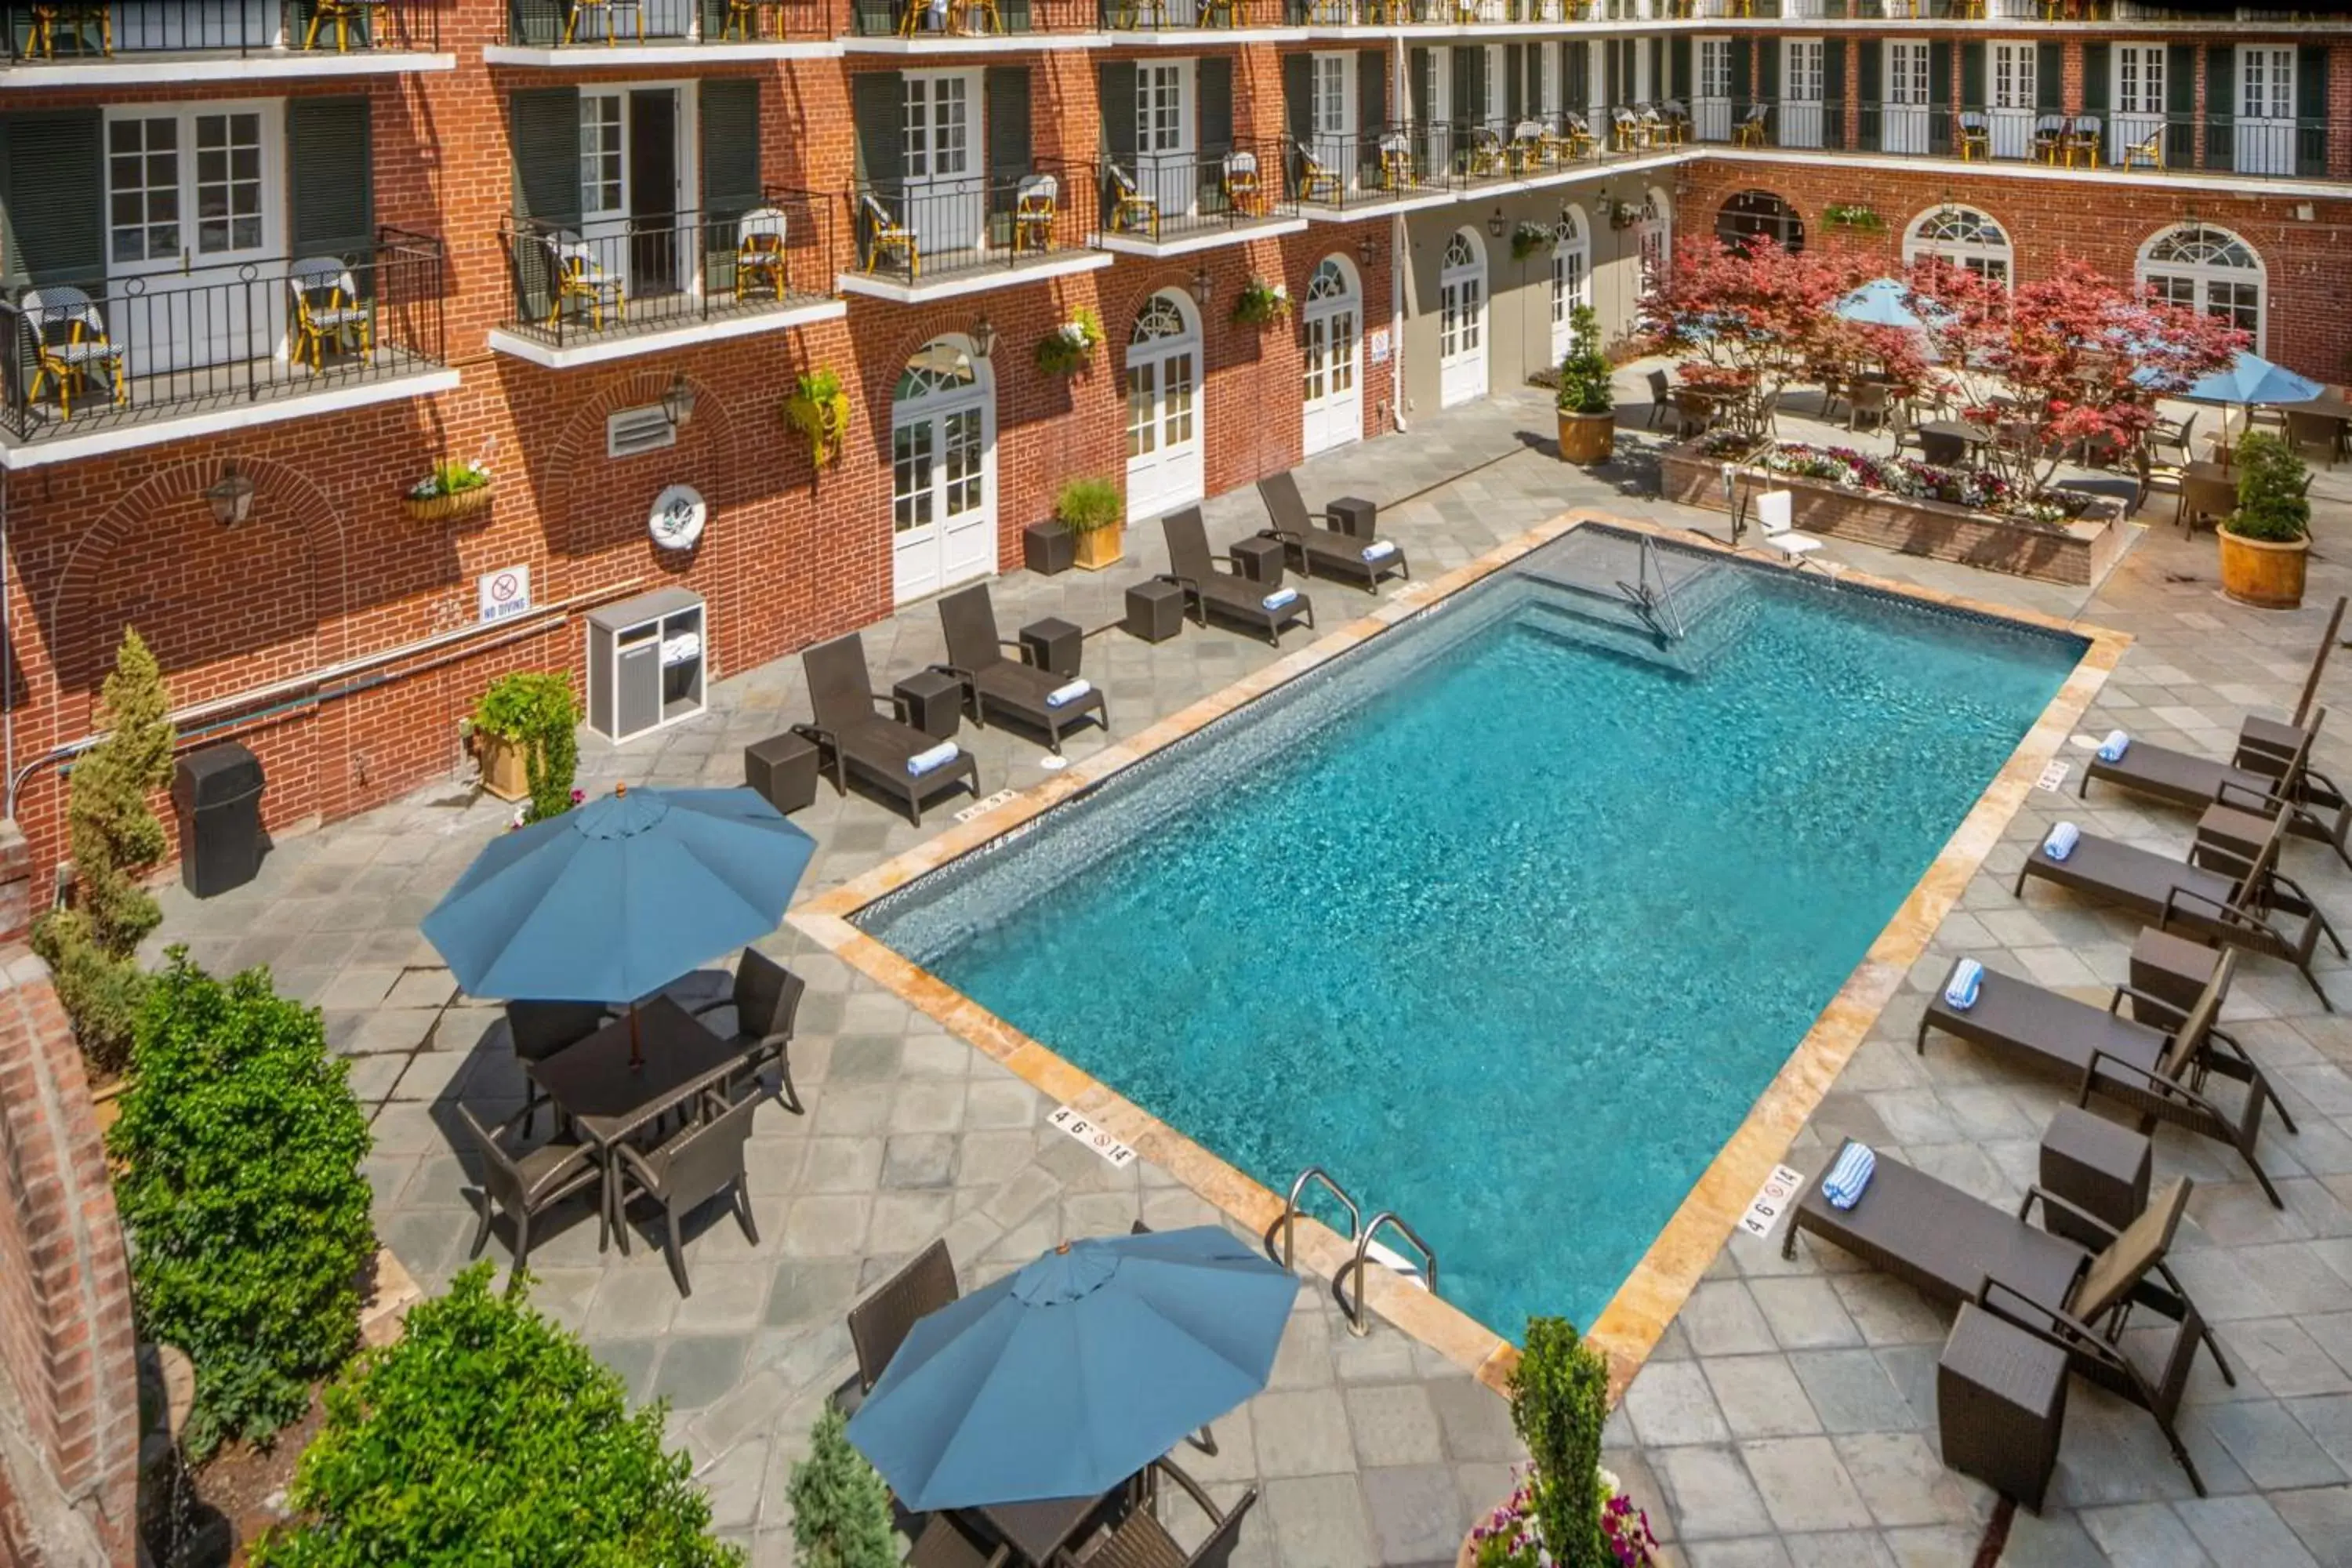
column 1587, row 438
column 448, row 508
column 2258, row 573
column 504, row 773
column 1101, row 547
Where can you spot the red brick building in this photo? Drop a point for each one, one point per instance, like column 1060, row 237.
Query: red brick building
column 259, row 272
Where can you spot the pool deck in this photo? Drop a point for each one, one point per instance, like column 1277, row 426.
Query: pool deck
column 1784, row 1412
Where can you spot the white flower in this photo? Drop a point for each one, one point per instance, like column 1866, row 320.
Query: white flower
column 1609, row 1485
column 1282, row 291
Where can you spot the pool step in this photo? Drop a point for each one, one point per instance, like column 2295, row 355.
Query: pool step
column 1714, row 606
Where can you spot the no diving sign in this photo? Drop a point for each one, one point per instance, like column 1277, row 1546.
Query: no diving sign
column 504, row 594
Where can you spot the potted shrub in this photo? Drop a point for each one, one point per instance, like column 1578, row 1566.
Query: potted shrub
column 450, row 492
column 523, row 731
column 1093, row 512
column 1588, row 399
column 819, row 409
column 1261, row 304
column 2265, row 543
column 1567, row 1511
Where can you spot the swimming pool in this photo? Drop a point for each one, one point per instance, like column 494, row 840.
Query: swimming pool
column 1507, row 916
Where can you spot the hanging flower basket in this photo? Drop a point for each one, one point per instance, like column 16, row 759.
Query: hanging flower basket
column 819, row 410
column 1262, row 304
column 453, row 490
column 1065, row 350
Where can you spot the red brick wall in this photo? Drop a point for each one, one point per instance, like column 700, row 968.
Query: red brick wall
column 66, row 1336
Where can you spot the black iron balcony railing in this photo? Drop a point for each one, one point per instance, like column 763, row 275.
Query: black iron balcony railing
column 612, row 278
column 2097, row 139
column 920, row 19
column 129, row 29
column 917, row 231
column 612, row 24
column 117, row 350
column 1395, row 163
column 1162, row 196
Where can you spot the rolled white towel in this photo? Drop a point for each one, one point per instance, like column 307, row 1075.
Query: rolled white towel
column 932, row 760
column 681, row 647
column 2061, row 841
column 2113, row 748
column 1844, row 1184
column 1960, row 991
column 1379, row 549
column 1069, row 692
column 1279, row 598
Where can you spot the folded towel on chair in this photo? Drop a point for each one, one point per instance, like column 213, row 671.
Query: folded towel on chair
column 1069, row 692
column 1279, row 598
column 1379, row 549
column 1960, row 991
column 2061, row 841
column 930, row 761
column 2113, row 748
column 1847, row 1179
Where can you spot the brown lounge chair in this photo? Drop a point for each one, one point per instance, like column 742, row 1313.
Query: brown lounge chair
column 851, row 737
column 2218, row 895
column 1956, row 1248
column 1328, row 551
column 2157, row 1061
column 1007, row 687
column 1192, row 568
column 2259, row 771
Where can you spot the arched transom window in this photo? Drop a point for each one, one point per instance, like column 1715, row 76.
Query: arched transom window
column 1160, row 318
column 1459, row 253
column 1330, row 282
column 2208, row 270
column 1965, row 237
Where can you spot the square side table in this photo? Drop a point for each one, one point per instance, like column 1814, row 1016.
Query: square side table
column 931, row 701
column 1155, row 610
column 2001, row 1405
column 1259, row 560
column 782, row 770
column 1053, row 645
column 2097, row 1165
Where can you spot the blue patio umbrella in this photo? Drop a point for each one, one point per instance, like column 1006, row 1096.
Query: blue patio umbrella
column 619, row 897
column 1066, row 1377
column 2251, row 379
column 1879, row 303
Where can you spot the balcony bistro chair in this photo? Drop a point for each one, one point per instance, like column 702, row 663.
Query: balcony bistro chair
column 1676, row 121
column 2147, row 153
column 42, row 42
column 525, row 1183
column 580, row 275
column 1577, row 131
column 1974, row 136
column 1750, row 132
column 760, row 257
column 1528, row 144
column 764, row 999
column 977, row 17
column 1625, row 130
column 68, row 344
column 1037, row 199
column 1140, row 1541
column 1487, row 153
column 1318, row 182
column 748, row 19
column 328, row 309
column 694, row 1165
column 879, row 1325
column 1224, row 13
column 1397, row 172
column 341, row 16
column 1240, row 176
column 2083, row 136
column 2050, row 138
column 607, row 9
column 885, row 237
column 1129, row 207
column 538, row 1030
column 1133, row 14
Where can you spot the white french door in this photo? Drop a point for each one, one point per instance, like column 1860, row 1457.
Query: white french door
column 1332, row 377
column 1164, row 428
column 633, row 181
column 2138, row 96
column 1333, row 113
column 2265, row 129
column 942, row 480
column 1569, row 289
column 1462, row 323
column 1163, row 134
column 1711, row 106
column 1800, row 92
column 1906, row 128
column 947, row 201
column 194, row 207
column 2016, row 92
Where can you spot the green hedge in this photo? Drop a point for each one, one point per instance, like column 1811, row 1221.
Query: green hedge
column 489, row 1435
column 239, row 1144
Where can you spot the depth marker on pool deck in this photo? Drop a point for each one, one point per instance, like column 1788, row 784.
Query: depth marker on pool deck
column 2053, row 777
column 977, row 806
column 1774, row 1197
column 1112, row 1151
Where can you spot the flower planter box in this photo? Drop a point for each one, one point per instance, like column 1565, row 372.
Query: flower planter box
column 1101, row 548
column 448, row 508
column 505, row 773
column 2076, row 554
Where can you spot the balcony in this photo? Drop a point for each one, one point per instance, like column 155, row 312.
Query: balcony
column 115, row 363
column 600, row 289
column 1172, row 204
column 135, row 41
column 573, row 34
column 1401, row 168
column 932, row 28
column 1196, row 22
column 934, row 239
column 2126, row 12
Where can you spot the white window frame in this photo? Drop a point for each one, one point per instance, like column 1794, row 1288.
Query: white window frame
column 1154, row 80
column 1987, row 260
column 927, row 86
column 1324, row 70
column 1712, row 77
column 2020, row 60
column 2203, row 275
column 1898, row 80
column 272, row 133
column 1802, row 70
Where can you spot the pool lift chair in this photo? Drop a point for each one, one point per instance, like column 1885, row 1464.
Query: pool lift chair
column 1775, row 517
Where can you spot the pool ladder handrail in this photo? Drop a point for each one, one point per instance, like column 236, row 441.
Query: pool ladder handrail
column 1671, row 621
column 1359, row 1236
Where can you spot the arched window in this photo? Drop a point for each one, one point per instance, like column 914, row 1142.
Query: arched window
column 1965, row 237
column 1160, row 317
column 1572, row 276
column 942, row 469
column 1330, row 281
column 1461, row 251
column 1759, row 215
column 1654, row 239
column 2208, row 270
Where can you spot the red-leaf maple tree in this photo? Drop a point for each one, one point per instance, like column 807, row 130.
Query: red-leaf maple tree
column 1750, row 320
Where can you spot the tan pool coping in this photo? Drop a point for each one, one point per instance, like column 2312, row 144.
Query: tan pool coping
column 1629, row 1328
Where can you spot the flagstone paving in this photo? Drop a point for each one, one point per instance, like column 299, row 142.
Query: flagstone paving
column 1787, row 1418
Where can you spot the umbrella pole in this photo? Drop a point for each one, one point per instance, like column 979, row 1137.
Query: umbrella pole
column 637, row 1048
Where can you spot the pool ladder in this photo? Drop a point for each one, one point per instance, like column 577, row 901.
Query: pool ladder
column 1655, row 605
column 1359, row 1322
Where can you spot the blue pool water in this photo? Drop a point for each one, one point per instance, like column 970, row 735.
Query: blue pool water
column 1508, row 918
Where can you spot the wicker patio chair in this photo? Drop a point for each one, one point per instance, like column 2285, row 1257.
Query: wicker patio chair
column 1008, row 688
column 879, row 1325
column 887, row 237
column 1192, row 568
column 1130, row 209
column 328, row 310
column 761, row 259
column 70, row 345
column 540, row 1029
column 1324, row 551
column 695, row 1164
column 1140, row 1541
column 852, row 737
column 580, row 275
column 1036, row 201
column 766, row 1000
column 525, row 1183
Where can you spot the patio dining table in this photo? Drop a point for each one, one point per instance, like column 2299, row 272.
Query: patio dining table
column 609, row 1100
column 1038, row 1531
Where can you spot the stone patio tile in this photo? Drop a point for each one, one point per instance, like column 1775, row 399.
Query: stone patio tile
column 1722, row 1319
column 1710, row 1494
column 1804, row 1313
column 2244, row 1529
column 1850, row 1391
column 1804, row 1485
column 1933, row 1546
column 826, row 1226
column 1757, row 1551
column 633, row 1302
column 2050, row 1539
column 1904, row 1481
column 1760, row 1396
column 842, row 1164
column 1670, row 1403
column 1846, row 1549
column 2271, row 1444
column 2283, row 1357
column 695, row 1371
column 1319, row 1521
column 632, row 1361
column 1416, row 1514
column 1394, row 1425
column 2322, row 1519
column 1477, row 1423
column 1302, row 1433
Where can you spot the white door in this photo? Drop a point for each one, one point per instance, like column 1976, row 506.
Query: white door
column 2265, row 142
column 1711, row 108
column 1800, row 92
column 2015, row 93
column 942, row 473
column 1163, row 427
column 633, row 180
column 2138, row 98
column 1333, row 374
column 1907, row 98
column 1332, row 114
column 195, row 226
column 1462, row 322
column 1163, row 134
column 1571, row 285
column 947, row 200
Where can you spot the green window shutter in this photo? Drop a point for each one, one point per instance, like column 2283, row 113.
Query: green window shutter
column 1466, row 107
column 2221, row 104
column 2048, row 79
column 1871, row 79
column 1657, row 70
column 2179, row 106
column 1939, row 97
column 2311, row 109
column 2097, row 77
column 1215, row 92
column 1743, row 68
column 1515, row 76
column 1371, row 100
column 731, row 147
column 1767, row 73
column 52, row 198
column 877, row 118
column 1576, row 76
column 1299, row 96
column 1612, row 79
column 1005, row 89
column 538, row 23
column 330, row 209
column 1972, row 76
column 1015, row 14
column 1833, row 92
column 1114, row 83
column 1679, row 70
column 543, row 123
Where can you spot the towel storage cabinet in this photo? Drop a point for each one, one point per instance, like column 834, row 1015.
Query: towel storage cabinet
column 647, row 662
